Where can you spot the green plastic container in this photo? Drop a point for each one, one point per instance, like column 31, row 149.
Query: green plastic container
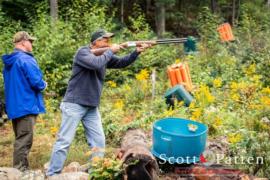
column 180, row 93
column 190, row 45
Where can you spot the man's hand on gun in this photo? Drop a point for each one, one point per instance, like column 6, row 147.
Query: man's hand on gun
column 139, row 48
column 115, row 48
column 142, row 47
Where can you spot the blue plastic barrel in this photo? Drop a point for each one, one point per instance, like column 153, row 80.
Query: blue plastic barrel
column 174, row 141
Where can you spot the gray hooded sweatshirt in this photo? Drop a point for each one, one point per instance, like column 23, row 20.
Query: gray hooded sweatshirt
column 88, row 73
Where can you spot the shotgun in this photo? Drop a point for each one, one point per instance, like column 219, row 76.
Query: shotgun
column 188, row 41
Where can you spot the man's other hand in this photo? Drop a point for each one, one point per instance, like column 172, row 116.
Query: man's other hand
column 115, row 48
column 142, row 47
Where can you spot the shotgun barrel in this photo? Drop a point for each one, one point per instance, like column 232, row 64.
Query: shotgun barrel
column 154, row 42
column 100, row 51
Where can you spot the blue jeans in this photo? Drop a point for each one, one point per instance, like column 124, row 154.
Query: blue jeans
column 72, row 114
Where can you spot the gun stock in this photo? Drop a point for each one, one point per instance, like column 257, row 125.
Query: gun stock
column 99, row 51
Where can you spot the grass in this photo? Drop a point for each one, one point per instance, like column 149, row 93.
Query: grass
column 6, row 144
column 41, row 149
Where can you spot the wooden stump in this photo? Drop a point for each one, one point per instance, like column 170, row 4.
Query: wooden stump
column 138, row 161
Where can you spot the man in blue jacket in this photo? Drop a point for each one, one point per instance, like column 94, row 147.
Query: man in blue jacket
column 82, row 96
column 23, row 98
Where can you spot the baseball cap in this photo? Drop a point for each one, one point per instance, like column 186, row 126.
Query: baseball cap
column 22, row 35
column 101, row 33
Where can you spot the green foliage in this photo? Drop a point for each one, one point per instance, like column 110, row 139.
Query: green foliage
column 7, row 28
column 253, row 146
column 107, row 168
column 86, row 17
column 253, row 44
column 207, row 27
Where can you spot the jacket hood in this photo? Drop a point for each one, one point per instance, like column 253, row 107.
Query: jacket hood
column 9, row 59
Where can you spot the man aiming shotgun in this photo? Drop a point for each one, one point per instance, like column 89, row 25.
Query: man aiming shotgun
column 83, row 93
column 189, row 43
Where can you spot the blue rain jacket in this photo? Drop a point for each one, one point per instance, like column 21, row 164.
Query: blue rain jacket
column 23, row 84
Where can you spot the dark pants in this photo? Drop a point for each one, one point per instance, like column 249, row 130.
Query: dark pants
column 23, row 129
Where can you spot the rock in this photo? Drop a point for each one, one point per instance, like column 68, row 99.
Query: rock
column 72, row 167
column 14, row 174
column 10, row 173
column 70, row 176
column 84, row 167
column 33, row 175
column 265, row 120
column 46, row 166
column 214, row 147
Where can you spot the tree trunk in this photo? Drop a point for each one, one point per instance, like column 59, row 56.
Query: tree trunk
column 122, row 11
column 138, row 161
column 54, row 9
column 148, row 6
column 160, row 18
column 238, row 10
column 233, row 12
column 268, row 3
column 214, row 6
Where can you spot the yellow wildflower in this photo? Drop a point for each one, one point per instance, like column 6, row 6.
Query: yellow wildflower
column 265, row 100
column 255, row 106
column 126, row 88
column 234, row 138
column 238, row 86
column 250, row 69
column 142, row 75
column 119, row 104
column 88, row 153
column 217, row 82
column 192, row 105
column 242, row 85
column 266, row 90
column 204, row 94
column 196, row 114
column 54, row 130
column 112, row 84
column 169, row 112
column 256, row 79
column 107, row 163
column 96, row 159
column 217, row 122
column 94, row 150
column 234, row 86
column 210, row 98
column 235, row 96
column 181, row 103
column 177, row 61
